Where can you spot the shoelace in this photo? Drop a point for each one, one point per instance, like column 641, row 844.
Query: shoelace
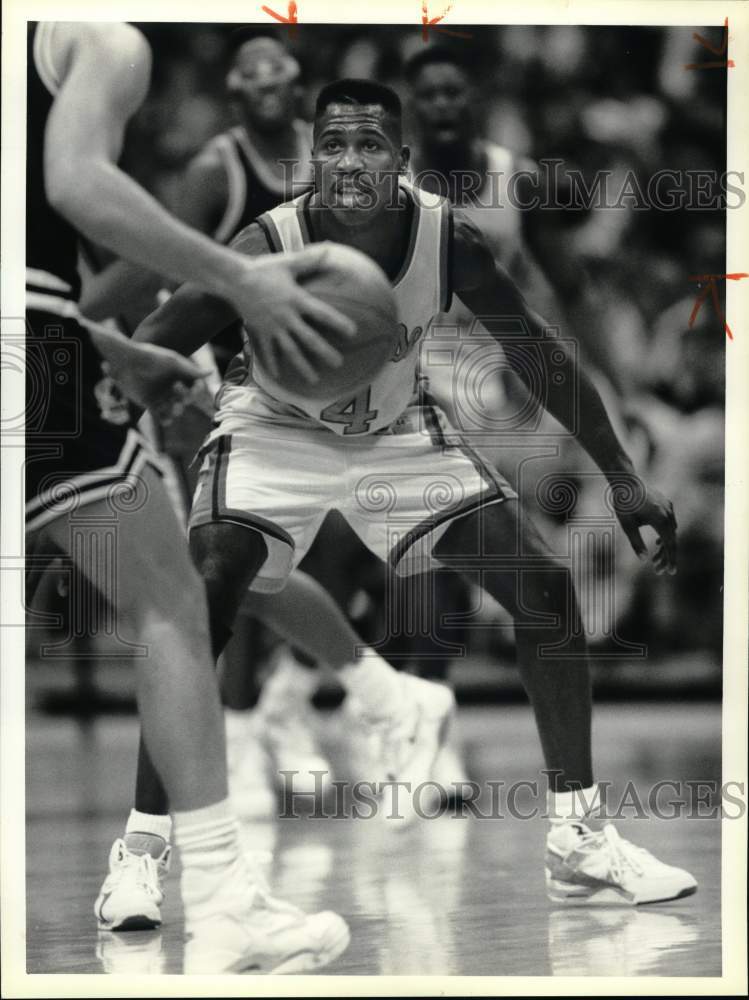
column 622, row 856
column 141, row 867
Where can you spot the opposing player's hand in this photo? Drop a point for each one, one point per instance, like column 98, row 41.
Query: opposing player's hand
column 282, row 318
column 648, row 508
column 154, row 377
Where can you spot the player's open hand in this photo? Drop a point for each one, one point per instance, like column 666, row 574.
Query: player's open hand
column 285, row 321
column 641, row 507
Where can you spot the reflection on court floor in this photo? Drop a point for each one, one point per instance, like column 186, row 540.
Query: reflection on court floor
column 455, row 896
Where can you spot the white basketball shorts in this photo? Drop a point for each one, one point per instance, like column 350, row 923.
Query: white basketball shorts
column 399, row 490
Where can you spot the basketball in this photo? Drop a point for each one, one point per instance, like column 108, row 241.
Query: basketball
column 357, row 287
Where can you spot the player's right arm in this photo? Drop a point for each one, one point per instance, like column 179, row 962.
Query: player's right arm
column 104, row 70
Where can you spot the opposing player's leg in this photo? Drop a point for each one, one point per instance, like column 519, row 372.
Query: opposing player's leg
column 586, row 859
column 183, row 728
column 134, row 551
column 228, row 557
column 225, row 560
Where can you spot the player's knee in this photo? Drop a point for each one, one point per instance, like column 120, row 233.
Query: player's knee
column 227, row 558
column 227, row 553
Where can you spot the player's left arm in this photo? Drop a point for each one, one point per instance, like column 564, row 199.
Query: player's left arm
column 489, row 292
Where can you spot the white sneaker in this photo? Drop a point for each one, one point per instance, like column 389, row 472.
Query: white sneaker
column 405, row 746
column 285, row 723
column 130, row 898
column 586, row 866
column 246, row 930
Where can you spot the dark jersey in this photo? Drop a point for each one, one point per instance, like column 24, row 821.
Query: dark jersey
column 51, row 241
column 252, row 187
column 80, row 443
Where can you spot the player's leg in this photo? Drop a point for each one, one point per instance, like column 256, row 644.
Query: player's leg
column 133, row 553
column 225, row 560
column 177, row 695
column 586, row 859
column 284, row 487
column 307, row 616
column 226, row 905
column 538, row 591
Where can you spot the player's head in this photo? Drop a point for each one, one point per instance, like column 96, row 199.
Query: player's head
column 357, row 148
column 442, row 95
column 262, row 80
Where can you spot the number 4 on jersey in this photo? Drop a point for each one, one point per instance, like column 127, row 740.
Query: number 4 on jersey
column 353, row 411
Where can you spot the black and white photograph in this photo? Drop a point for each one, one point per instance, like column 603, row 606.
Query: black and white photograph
column 374, row 544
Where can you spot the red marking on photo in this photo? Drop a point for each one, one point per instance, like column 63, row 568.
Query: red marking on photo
column 711, row 289
column 291, row 18
column 723, row 50
column 428, row 22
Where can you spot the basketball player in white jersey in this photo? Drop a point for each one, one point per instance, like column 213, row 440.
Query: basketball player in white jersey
column 409, row 486
column 84, row 83
column 241, row 173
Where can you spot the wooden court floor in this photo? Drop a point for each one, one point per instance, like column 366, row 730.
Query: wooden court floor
column 455, row 896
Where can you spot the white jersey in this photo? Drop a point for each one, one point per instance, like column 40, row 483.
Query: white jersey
column 422, row 291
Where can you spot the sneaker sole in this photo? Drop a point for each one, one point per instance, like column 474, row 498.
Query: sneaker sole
column 138, row 922
column 568, row 894
column 308, row 961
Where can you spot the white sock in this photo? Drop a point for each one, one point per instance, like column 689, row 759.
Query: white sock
column 147, row 833
column 237, row 722
column 154, row 824
column 374, row 683
column 212, row 863
column 568, row 807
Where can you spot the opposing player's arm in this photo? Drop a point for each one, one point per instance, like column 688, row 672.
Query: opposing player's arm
column 493, row 297
column 103, row 82
column 200, row 203
column 191, row 317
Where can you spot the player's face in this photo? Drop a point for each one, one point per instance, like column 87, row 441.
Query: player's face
column 357, row 158
column 443, row 104
column 262, row 81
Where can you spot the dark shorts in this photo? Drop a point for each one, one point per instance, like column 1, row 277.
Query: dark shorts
column 81, row 444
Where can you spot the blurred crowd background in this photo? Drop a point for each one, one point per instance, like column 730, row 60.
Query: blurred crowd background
column 599, row 98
